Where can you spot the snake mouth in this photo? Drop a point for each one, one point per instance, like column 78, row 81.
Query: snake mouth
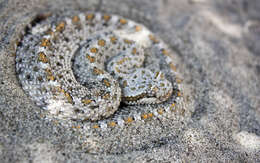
column 132, row 99
column 144, row 97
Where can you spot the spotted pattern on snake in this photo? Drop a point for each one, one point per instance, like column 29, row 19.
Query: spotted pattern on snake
column 86, row 66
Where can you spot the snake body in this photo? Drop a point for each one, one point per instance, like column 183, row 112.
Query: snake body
column 85, row 66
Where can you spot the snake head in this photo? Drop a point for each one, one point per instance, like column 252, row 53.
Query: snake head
column 146, row 87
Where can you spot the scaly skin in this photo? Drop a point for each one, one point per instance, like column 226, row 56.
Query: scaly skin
column 85, row 66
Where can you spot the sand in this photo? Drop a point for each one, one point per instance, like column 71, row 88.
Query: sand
column 216, row 45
